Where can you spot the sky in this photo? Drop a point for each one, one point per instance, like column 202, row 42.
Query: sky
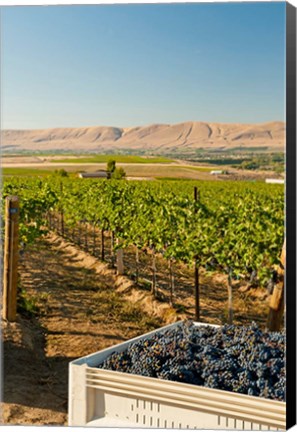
column 133, row 65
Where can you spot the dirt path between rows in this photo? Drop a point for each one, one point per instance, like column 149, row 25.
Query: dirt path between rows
column 81, row 309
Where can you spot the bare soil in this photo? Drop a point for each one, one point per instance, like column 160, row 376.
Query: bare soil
column 74, row 305
column 79, row 312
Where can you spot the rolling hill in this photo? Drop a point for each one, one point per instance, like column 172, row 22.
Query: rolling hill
column 160, row 138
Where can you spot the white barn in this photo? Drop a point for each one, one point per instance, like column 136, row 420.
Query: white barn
column 97, row 174
column 218, row 172
column 275, row 181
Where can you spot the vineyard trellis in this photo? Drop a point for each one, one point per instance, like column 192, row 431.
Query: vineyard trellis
column 235, row 228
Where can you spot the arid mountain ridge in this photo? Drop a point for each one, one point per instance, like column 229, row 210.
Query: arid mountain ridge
column 156, row 137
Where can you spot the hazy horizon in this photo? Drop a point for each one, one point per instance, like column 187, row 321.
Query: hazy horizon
column 144, row 125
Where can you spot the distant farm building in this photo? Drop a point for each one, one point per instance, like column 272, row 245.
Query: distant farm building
column 218, row 172
column 275, row 181
column 97, row 174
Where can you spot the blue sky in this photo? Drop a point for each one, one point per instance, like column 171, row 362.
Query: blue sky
column 129, row 65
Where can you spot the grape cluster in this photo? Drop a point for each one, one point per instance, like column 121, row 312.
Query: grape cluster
column 242, row 359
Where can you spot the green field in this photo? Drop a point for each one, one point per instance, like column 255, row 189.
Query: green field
column 26, row 171
column 199, row 168
column 117, row 158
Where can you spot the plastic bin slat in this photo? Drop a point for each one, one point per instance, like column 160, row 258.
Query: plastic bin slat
column 199, row 405
column 93, row 374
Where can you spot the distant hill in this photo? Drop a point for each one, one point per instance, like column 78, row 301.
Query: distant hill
column 155, row 137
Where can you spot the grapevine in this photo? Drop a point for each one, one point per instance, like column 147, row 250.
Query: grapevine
column 237, row 228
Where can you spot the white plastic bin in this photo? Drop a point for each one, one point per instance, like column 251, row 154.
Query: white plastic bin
column 106, row 398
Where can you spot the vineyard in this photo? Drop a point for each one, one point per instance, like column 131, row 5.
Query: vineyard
column 236, row 229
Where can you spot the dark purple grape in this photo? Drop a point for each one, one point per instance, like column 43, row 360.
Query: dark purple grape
column 242, row 359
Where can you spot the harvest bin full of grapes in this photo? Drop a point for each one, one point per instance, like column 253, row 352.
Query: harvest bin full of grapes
column 185, row 375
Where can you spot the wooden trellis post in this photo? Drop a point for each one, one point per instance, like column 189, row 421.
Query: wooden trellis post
column 137, row 265
column 102, row 245
column 276, row 310
column 154, row 269
column 120, row 260
column 230, row 298
column 196, row 270
column 171, row 275
column 112, row 243
column 10, row 270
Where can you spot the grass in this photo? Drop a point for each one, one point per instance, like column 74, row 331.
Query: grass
column 26, row 171
column 223, row 161
column 113, row 306
column 26, row 304
column 203, row 169
column 117, row 158
column 29, row 172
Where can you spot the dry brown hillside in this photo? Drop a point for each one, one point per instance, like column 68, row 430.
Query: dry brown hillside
column 158, row 137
